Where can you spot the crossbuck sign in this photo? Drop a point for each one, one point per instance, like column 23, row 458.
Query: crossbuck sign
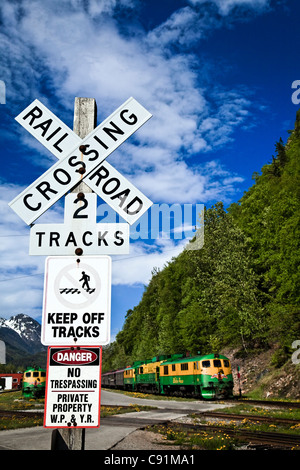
column 82, row 158
column 77, row 291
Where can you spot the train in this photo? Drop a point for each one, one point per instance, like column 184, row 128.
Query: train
column 34, row 382
column 208, row 377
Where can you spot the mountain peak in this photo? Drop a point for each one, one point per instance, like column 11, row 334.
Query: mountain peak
column 26, row 327
column 22, row 337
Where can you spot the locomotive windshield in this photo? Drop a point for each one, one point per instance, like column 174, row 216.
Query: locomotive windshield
column 217, row 363
column 205, row 363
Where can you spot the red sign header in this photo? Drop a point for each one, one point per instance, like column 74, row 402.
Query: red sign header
column 71, row 356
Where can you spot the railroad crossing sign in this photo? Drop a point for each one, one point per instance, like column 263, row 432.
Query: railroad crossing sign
column 77, row 301
column 73, row 387
column 79, row 234
column 82, row 159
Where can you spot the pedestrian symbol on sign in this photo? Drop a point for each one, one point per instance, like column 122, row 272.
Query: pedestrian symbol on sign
column 85, row 278
column 77, row 288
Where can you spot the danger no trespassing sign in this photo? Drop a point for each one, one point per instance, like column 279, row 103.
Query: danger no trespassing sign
column 77, row 301
column 73, row 387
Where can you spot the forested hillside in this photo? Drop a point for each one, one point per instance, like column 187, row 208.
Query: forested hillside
column 241, row 290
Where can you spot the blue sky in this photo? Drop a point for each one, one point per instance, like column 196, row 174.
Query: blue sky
column 216, row 75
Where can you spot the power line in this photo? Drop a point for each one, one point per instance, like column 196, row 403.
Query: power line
column 114, row 261
column 13, row 235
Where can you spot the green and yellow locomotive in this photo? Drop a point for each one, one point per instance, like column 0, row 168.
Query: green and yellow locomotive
column 207, row 376
column 34, row 383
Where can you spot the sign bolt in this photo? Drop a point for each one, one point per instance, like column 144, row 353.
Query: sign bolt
column 81, row 170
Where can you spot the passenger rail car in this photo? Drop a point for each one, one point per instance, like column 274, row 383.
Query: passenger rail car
column 207, row 376
column 34, row 383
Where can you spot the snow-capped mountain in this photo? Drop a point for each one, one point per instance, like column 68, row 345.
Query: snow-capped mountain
column 22, row 337
column 27, row 328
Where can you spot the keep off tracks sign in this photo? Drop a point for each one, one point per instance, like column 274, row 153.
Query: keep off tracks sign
column 73, row 387
column 77, row 298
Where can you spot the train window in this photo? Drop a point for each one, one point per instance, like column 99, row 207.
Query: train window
column 141, row 370
column 15, row 380
column 28, row 374
column 205, row 363
column 217, row 363
column 184, row 366
column 166, row 370
column 35, row 374
column 226, row 363
column 173, row 367
column 43, row 374
column 196, row 365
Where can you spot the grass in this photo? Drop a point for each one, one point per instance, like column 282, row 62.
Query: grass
column 285, row 413
column 16, row 401
column 196, row 441
column 16, row 422
column 112, row 410
column 245, row 409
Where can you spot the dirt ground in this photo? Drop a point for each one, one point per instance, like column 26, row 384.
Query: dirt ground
column 144, row 440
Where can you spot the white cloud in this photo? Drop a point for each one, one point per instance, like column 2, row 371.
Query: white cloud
column 225, row 6
column 137, row 268
column 84, row 57
column 21, row 278
column 183, row 28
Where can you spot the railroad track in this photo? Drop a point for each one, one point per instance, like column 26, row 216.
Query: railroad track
column 280, row 404
column 21, row 413
column 248, row 417
column 263, row 439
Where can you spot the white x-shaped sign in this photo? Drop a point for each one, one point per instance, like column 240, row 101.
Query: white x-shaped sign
column 82, row 158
